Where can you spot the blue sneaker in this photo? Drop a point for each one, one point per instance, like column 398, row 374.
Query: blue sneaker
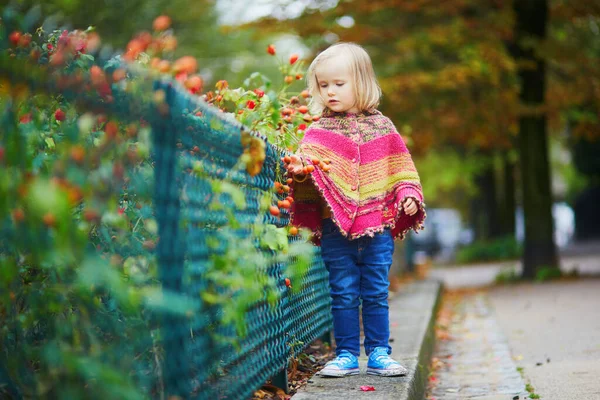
column 343, row 365
column 380, row 363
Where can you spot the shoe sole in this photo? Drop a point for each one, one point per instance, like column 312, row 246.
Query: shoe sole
column 383, row 372
column 339, row 374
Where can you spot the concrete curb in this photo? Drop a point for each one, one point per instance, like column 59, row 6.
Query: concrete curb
column 420, row 380
column 412, row 318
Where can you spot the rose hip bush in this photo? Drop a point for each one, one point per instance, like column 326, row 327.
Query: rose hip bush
column 78, row 280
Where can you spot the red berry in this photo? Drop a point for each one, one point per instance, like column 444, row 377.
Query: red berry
column 161, row 23
column 259, row 93
column 302, row 127
column 293, row 58
column 78, row 154
column 25, row 119
column 18, row 215
column 91, row 215
column 271, row 49
column 49, row 219
column 24, row 40
column 289, row 79
column 186, row 64
column 194, row 84
column 303, row 110
column 274, row 210
column 288, row 283
column 111, row 129
column 14, row 37
column 119, row 74
column 59, row 115
column 251, row 104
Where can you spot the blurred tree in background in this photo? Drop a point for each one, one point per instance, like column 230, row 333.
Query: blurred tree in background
column 455, row 74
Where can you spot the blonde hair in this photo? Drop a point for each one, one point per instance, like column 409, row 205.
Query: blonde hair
column 366, row 88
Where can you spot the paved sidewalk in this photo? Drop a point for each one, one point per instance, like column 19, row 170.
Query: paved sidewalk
column 553, row 330
column 472, row 357
column 412, row 314
column 478, row 275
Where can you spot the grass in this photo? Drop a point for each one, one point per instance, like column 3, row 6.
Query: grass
column 543, row 274
column 505, row 248
column 508, row 276
column 531, row 390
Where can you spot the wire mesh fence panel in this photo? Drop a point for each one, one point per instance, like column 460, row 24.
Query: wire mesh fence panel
column 225, row 361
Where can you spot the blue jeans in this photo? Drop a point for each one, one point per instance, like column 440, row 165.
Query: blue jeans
column 358, row 271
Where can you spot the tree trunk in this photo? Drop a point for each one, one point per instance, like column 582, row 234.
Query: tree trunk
column 485, row 207
column 508, row 197
column 540, row 249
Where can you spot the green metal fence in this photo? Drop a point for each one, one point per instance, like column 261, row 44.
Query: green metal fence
column 199, row 365
column 199, row 361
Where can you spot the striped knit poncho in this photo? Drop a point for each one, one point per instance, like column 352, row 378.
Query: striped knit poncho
column 371, row 173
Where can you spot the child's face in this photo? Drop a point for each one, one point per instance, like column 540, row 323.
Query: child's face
column 336, row 85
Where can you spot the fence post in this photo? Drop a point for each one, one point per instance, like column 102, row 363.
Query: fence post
column 169, row 249
column 280, row 379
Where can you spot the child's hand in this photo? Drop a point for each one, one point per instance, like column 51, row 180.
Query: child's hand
column 293, row 164
column 410, row 206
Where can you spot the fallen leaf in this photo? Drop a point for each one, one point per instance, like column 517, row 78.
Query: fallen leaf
column 274, row 389
column 367, row 388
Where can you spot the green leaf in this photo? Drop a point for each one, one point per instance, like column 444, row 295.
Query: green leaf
column 274, row 238
column 237, row 194
column 50, row 143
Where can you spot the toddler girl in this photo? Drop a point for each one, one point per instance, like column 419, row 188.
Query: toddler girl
column 363, row 193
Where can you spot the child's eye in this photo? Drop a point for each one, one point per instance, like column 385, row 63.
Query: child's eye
column 323, row 86
column 340, row 84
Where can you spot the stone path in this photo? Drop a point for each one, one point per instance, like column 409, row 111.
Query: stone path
column 472, row 359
